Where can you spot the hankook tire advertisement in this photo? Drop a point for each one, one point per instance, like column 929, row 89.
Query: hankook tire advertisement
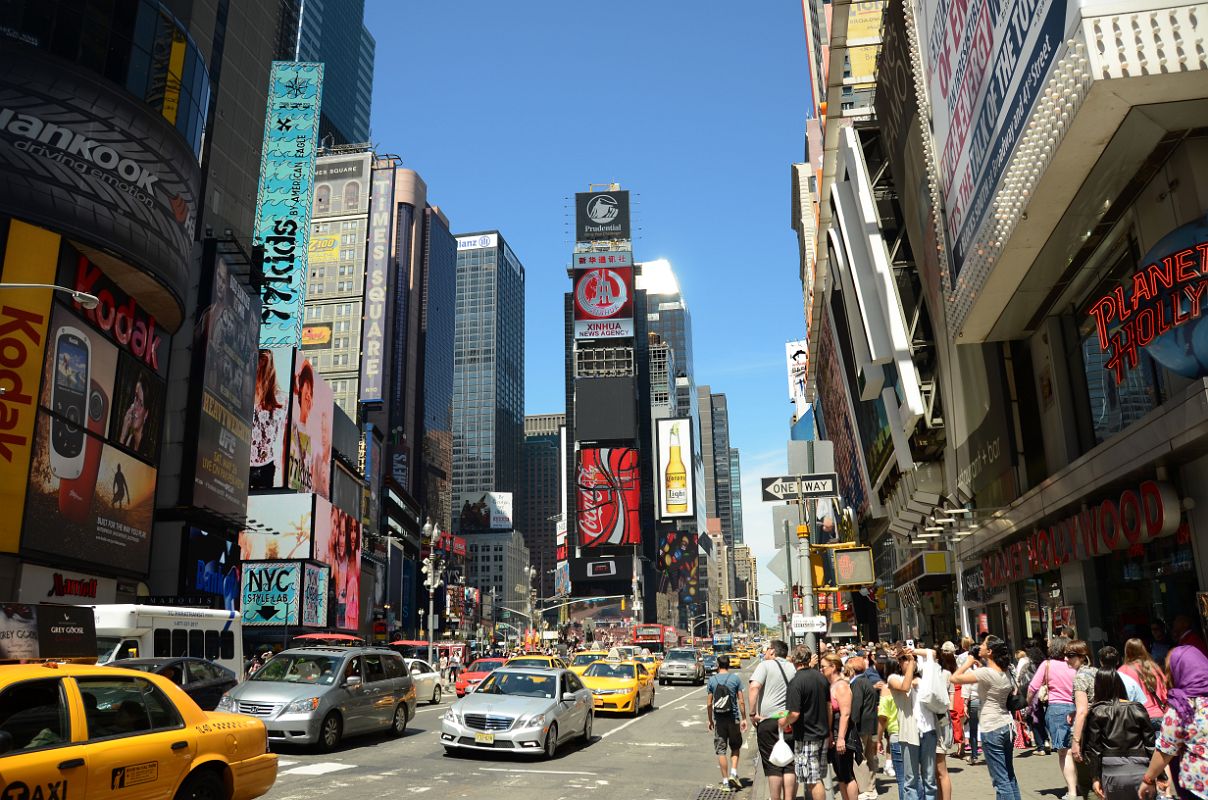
column 78, row 155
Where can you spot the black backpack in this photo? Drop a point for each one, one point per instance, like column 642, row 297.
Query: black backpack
column 723, row 699
column 864, row 701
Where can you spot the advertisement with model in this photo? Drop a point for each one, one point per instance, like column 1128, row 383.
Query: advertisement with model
column 484, row 511
column 311, row 419
column 603, row 298
column 676, row 493
column 226, row 333
column 270, row 417
column 283, row 201
column 338, row 544
column 608, row 492
column 601, row 216
column 96, row 437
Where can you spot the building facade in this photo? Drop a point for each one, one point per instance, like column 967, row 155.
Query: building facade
column 497, row 564
column 538, row 500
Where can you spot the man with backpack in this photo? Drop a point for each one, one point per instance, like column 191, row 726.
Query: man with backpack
column 727, row 711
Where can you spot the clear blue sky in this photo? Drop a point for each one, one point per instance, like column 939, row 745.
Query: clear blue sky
column 508, row 108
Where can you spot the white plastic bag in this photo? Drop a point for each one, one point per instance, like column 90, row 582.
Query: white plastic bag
column 782, row 752
column 933, row 689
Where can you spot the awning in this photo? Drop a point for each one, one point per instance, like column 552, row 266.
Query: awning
column 926, row 571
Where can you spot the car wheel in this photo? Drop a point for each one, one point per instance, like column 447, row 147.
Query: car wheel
column 551, row 741
column 436, row 695
column 204, row 784
column 398, row 725
column 331, row 730
column 587, row 727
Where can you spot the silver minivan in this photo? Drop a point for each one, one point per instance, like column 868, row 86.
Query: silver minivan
column 318, row 695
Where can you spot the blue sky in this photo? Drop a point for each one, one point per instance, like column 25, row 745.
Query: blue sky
column 508, row 108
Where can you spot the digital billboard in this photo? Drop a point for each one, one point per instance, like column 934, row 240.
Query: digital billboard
column 601, row 216
column 484, row 511
column 284, row 197
column 603, row 299
column 679, row 557
column 270, row 592
column 674, row 484
column 797, row 360
column 226, row 333
column 607, row 492
column 338, row 544
column 211, row 566
column 270, row 417
column 311, row 419
column 278, row 526
column 314, row 595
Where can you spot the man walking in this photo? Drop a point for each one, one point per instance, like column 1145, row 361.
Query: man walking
column 727, row 711
column 766, row 698
column 808, row 704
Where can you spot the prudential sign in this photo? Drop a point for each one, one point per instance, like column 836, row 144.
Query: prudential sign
column 601, row 216
column 284, row 199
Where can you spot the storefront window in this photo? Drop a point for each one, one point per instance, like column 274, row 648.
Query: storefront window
column 1043, row 604
column 1157, row 583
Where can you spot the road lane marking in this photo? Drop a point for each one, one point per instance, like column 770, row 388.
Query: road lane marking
column 534, row 771
column 281, row 763
column 322, row 768
column 625, row 725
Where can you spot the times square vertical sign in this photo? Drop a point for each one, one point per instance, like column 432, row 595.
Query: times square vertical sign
column 284, row 197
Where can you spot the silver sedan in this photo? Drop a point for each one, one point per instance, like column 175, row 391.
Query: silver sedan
column 520, row 710
column 426, row 679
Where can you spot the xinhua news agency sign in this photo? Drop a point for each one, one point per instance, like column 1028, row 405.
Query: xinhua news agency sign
column 285, row 196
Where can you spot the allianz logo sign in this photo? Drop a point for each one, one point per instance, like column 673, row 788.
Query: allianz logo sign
column 77, row 146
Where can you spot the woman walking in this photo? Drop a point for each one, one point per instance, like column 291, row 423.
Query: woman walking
column 1184, row 735
column 994, row 686
column 972, row 704
column 1139, row 666
column 1117, row 739
column 1052, row 689
column 944, row 735
column 845, row 740
column 916, row 729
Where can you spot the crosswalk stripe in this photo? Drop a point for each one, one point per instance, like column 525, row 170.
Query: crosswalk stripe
column 322, row 768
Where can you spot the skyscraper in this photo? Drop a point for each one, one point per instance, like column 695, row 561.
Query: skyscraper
column 538, row 501
column 669, row 318
column 332, row 31
column 488, row 373
column 736, row 496
column 715, row 451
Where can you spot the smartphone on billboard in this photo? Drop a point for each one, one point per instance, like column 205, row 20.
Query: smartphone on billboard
column 69, row 401
column 75, row 494
column 601, row 569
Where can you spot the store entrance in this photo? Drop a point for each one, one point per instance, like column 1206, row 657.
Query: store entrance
column 1137, row 588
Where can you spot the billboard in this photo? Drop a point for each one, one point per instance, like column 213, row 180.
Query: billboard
column 378, row 242
column 314, row 595
column 270, row 592
column 607, row 492
column 278, row 526
column 342, row 185
column 338, row 544
column 81, row 155
column 605, row 409
column 797, row 359
column 601, row 216
column 226, row 332
column 676, row 489
column 603, row 300
column 484, row 511
column 283, row 199
column 29, row 632
column 30, row 255
column 562, row 579
column 211, row 566
column 613, row 258
column 985, row 65
column 617, row 569
column 270, row 417
column 479, row 241
column 312, row 412
column 679, row 557
column 316, row 336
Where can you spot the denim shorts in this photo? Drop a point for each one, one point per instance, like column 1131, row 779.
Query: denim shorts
column 1057, row 721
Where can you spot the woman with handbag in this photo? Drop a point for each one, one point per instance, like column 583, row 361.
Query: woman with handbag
column 1053, row 690
column 845, row 749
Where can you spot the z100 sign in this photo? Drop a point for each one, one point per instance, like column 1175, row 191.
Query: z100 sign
column 607, row 496
column 604, row 302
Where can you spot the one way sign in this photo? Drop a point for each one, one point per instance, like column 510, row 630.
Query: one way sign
column 800, row 487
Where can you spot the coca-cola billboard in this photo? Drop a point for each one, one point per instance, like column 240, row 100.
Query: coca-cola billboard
column 607, row 493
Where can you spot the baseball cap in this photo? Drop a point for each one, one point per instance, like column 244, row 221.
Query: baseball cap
column 948, row 647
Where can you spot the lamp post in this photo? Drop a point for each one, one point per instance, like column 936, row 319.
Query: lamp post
column 86, row 300
column 432, row 580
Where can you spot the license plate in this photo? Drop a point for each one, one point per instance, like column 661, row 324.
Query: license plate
column 484, row 738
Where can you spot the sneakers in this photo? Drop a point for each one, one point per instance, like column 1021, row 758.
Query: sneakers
column 724, row 786
column 735, row 783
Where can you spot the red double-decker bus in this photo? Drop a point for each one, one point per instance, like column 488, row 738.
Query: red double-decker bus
column 655, row 638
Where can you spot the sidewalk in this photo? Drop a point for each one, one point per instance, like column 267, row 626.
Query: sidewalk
column 1038, row 776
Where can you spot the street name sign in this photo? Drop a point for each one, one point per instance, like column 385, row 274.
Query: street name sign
column 802, row 624
column 800, row 487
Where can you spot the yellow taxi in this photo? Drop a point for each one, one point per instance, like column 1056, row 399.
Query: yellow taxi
column 537, row 661
column 581, row 661
column 651, row 662
column 68, row 731
column 625, row 686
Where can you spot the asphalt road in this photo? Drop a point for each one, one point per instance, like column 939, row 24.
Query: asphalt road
column 664, row 754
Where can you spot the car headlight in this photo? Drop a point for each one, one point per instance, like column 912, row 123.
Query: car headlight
column 302, row 705
column 450, row 716
column 531, row 720
column 225, row 703
column 612, row 691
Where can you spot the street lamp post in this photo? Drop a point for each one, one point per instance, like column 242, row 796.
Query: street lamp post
column 432, row 567
column 87, row 301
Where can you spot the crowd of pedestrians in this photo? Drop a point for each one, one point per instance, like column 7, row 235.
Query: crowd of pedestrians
column 1124, row 724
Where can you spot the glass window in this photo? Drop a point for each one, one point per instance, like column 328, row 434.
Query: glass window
column 374, row 671
column 125, row 706
column 180, row 643
column 162, row 643
column 197, row 643
column 34, row 714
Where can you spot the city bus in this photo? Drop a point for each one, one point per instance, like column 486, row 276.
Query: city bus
column 655, row 638
column 145, row 631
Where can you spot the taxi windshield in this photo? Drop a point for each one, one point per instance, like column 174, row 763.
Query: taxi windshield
column 586, row 658
column 485, row 666
column 529, row 662
column 299, row 669
column 519, row 683
column 602, row 669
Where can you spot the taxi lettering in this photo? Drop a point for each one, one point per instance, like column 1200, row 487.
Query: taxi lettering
column 17, row 790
